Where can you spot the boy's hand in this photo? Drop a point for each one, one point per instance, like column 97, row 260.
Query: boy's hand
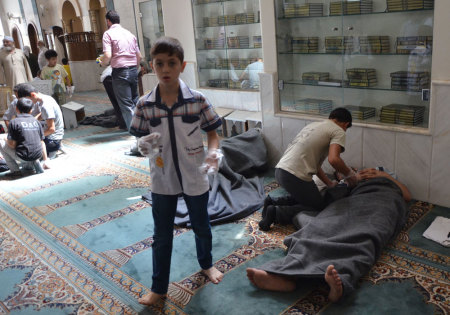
column 148, row 144
column 212, row 161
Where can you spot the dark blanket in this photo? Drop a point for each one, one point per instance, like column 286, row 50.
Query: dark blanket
column 108, row 119
column 237, row 190
column 349, row 233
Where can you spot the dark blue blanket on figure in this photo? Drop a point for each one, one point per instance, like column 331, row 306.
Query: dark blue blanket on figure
column 237, row 190
column 349, row 233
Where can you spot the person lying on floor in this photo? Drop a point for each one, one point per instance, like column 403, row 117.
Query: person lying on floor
column 304, row 157
column 342, row 242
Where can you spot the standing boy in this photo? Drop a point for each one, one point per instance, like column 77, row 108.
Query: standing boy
column 303, row 159
column 55, row 72
column 24, row 141
column 178, row 114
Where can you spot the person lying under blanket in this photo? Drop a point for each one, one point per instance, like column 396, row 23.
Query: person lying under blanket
column 341, row 243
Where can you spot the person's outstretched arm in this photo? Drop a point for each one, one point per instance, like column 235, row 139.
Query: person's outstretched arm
column 373, row 173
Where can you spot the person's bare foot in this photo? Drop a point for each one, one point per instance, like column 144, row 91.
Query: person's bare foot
column 335, row 283
column 268, row 281
column 150, row 298
column 213, row 274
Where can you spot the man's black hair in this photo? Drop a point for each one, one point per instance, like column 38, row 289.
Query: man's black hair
column 24, row 105
column 25, row 89
column 342, row 115
column 65, row 61
column 113, row 17
column 167, row 45
column 50, row 54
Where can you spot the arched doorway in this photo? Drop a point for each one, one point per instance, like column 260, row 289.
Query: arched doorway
column 17, row 37
column 32, row 35
column 71, row 22
column 98, row 22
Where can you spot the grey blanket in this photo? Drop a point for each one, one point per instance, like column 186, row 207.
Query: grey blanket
column 349, row 233
column 237, row 190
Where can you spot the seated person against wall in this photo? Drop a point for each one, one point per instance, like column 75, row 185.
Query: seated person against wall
column 10, row 113
column 341, row 243
column 51, row 114
column 24, row 142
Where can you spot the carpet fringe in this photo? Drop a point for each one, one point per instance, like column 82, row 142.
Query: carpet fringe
column 179, row 295
column 75, row 230
column 117, row 257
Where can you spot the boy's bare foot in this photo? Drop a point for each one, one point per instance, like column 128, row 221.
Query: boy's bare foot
column 335, row 283
column 213, row 274
column 268, row 281
column 150, row 298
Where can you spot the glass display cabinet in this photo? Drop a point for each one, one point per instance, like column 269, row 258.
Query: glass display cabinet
column 149, row 18
column 228, row 43
column 370, row 56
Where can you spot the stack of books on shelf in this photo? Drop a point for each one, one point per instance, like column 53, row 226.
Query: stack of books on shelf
column 238, row 42
column 314, row 77
column 361, row 77
column 314, row 106
column 257, row 41
column 402, row 5
column 305, row 44
column 374, row 44
column 299, row 10
column 239, row 63
column 339, row 44
column 402, row 114
column 244, row 41
column 214, row 43
column 226, row 20
column 361, row 112
column 309, row 9
column 289, row 10
column 350, row 7
column 234, row 84
column 220, row 83
column 410, row 81
column 245, row 18
column 408, row 44
column 210, row 21
column 222, row 63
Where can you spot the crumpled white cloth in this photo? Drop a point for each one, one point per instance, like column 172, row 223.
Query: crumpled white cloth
column 439, row 231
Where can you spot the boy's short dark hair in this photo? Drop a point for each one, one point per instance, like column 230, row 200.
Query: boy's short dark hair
column 24, row 105
column 64, row 61
column 342, row 115
column 167, row 45
column 113, row 17
column 25, row 90
column 50, row 54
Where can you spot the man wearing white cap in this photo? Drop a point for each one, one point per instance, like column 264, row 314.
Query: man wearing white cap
column 14, row 68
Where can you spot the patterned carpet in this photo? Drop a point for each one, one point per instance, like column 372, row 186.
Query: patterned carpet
column 76, row 240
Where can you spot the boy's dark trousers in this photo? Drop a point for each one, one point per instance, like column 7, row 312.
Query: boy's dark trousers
column 164, row 208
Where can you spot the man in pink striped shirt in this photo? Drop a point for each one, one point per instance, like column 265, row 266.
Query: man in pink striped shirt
column 120, row 48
